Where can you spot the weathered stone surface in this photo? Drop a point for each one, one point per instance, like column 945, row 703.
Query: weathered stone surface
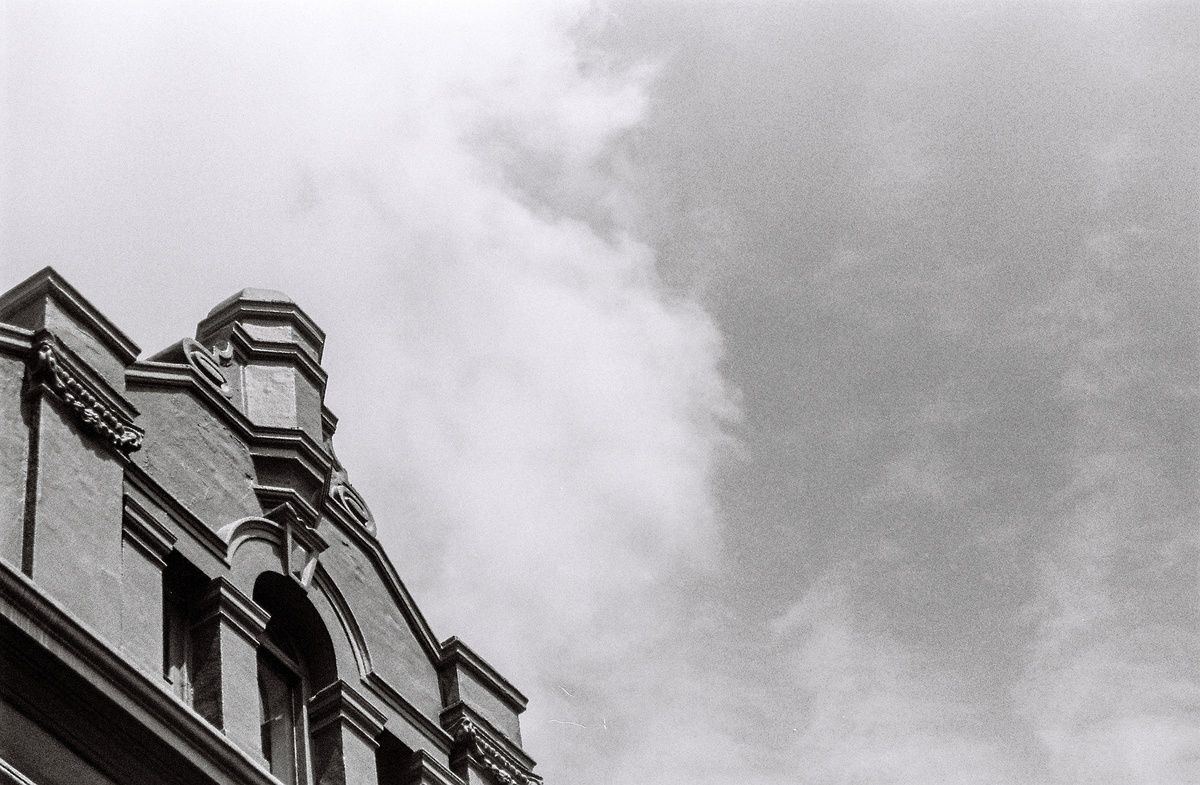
column 14, row 449
column 75, row 548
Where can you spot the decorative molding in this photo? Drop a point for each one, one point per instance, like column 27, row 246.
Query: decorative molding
column 85, row 401
column 146, row 532
column 137, row 479
column 208, row 363
column 399, row 704
column 18, row 341
column 424, row 769
column 263, row 441
column 301, row 546
column 502, row 767
column 11, row 775
column 47, row 283
column 248, row 303
column 455, row 652
column 286, row 505
column 370, row 547
column 278, row 352
column 224, row 601
column 341, row 702
column 329, row 422
column 358, row 643
column 498, row 738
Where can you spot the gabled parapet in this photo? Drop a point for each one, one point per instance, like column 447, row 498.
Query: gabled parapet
column 256, row 362
column 46, row 302
column 187, row 514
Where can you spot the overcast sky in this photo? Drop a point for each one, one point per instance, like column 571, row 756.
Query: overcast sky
column 777, row 393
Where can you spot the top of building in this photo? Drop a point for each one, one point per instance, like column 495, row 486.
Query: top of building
column 156, row 503
column 254, row 295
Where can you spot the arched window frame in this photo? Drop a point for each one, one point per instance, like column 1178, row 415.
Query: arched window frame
column 295, row 660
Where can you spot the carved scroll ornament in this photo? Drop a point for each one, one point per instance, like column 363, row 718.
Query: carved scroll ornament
column 208, row 363
column 92, row 413
column 348, row 499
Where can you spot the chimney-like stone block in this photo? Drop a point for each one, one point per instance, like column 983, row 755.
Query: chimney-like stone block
column 273, row 354
column 469, row 680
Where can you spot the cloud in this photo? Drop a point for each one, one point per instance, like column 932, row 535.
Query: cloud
column 873, row 711
column 1111, row 684
column 534, row 420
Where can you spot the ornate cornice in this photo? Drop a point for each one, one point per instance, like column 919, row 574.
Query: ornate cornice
column 502, row 767
column 85, row 401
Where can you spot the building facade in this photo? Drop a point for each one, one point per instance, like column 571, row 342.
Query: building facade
column 191, row 591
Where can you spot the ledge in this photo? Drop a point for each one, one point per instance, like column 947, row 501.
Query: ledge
column 145, row 531
column 425, row 770
column 225, row 602
column 16, row 341
column 399, row 704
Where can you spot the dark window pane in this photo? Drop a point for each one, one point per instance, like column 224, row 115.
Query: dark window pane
column 277, row 697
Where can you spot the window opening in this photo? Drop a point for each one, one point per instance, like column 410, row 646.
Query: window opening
column 295, row 660
column 183, row 585
column 281, row 699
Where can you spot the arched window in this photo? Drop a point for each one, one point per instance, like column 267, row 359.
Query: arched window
column 295, row 660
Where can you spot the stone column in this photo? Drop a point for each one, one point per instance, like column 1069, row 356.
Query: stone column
column 225, row 660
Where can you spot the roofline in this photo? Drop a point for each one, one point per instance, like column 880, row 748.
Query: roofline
column 47, row 281
column 455, row 652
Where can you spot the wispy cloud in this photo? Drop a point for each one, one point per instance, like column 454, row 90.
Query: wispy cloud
column 873, row 711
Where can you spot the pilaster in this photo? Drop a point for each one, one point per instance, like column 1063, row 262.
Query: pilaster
column 225, row 647
column 145, row 545
column 344, row 727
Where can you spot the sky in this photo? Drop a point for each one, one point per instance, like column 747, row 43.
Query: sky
column 775, row 392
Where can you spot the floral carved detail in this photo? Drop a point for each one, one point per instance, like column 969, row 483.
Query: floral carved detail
column 497, row 763
column 94, row 414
